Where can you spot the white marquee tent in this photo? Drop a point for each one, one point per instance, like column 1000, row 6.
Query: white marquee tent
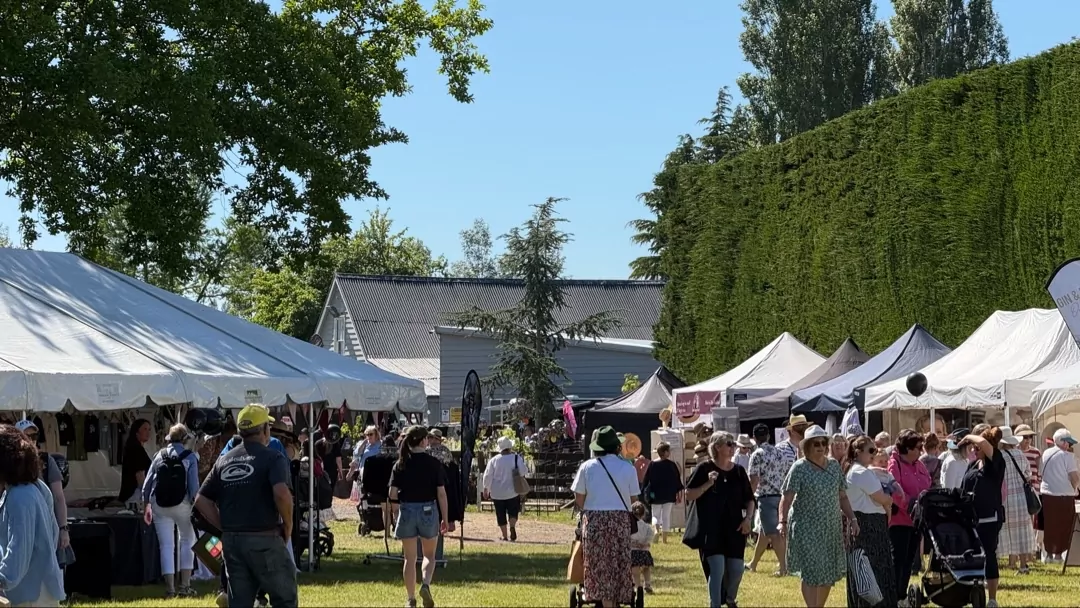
column 783, row 362
column 73, row 330
column 1059, row 394
column 1001, row 364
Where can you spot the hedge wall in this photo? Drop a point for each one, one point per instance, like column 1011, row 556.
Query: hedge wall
column 938, row 206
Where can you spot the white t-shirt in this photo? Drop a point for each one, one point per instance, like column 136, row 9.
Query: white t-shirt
column 952, row 472
column 1056, row 466
column 600, row 493
column 862, row 482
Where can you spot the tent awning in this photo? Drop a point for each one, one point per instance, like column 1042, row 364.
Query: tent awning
column 846, row 358
column 910, row 352
column 651, row 397
column 106, row 341
column 1001, row 363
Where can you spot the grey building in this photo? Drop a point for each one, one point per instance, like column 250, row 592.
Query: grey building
column 392, row 322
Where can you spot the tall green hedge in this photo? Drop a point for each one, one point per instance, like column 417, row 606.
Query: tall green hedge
column 938, row 206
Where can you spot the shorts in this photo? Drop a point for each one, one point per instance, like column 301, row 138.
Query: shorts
column 417, row 520
column 507, row 508
column 768, row 508
column 661, row 516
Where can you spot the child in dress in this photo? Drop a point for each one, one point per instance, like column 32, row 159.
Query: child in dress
column 641, row 559
column 888, row 483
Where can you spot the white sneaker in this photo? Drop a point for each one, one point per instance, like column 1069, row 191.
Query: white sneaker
column 992, row 604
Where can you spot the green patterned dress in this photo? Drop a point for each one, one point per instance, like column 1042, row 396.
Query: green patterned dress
column 815, row 540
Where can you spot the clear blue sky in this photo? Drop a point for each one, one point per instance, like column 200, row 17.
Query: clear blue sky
column 584, row 100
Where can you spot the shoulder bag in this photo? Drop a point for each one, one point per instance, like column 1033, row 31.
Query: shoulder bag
column 521, row 485
column 1034, row 503
column 633, row 520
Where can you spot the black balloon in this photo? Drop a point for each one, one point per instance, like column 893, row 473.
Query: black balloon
column 916, row 384
column 206, row 421
column 333, row 433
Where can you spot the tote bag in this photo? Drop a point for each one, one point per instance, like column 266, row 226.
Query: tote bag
column 521, row 485
column 862, row 576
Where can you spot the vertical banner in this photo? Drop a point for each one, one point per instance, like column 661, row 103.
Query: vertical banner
column 1064, row 287
column 472, row 402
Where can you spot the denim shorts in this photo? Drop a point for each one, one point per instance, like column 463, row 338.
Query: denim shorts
column 417, row 519
column 769, row 510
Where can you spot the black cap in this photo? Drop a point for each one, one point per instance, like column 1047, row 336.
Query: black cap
column 761, row 430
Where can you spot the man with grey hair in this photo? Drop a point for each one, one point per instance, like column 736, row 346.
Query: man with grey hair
column 247, row 497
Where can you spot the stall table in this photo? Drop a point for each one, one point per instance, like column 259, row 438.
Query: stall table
column 136, row 559
column 91, row 574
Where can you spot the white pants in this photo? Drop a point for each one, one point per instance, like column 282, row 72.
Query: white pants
column 166, row 521
column 661, row 516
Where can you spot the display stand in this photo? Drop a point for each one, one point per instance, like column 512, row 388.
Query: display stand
column 1072, row 558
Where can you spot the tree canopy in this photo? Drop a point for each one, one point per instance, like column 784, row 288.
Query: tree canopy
column 134, row 109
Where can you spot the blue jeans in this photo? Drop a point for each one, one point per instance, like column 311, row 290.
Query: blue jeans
column 417, row 519
column 259, row 562
column 724, row 576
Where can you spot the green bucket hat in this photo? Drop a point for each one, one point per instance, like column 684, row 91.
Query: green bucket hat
column 605, row 439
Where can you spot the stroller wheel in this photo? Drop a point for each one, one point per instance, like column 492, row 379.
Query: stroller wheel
column 978, row 596
column 914, row 596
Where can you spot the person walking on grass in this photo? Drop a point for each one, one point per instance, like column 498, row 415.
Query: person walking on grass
column 247, row 497
column 168, row 495
column 767, row 469
column 499, row 486
column 662, row 487
column 641, row 558
column 418, row 504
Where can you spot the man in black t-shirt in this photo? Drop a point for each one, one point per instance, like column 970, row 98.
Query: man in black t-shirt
column 247, row 497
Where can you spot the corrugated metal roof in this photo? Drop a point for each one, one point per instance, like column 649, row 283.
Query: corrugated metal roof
column 424, row 370
column 395, row 316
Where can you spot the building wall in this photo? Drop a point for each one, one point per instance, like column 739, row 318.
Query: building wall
column 326, row 327
column 594, row 373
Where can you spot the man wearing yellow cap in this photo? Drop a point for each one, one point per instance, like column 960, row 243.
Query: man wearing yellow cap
column 247, row 497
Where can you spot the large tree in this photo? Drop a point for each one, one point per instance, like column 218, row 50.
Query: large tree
column 479, row 260
column 815, row 60
column 529, row 334
column 289, row 299
column 136, row 107
column 944, row 38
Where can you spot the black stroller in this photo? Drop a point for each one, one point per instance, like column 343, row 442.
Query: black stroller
column 324, row 499
column 956, row 575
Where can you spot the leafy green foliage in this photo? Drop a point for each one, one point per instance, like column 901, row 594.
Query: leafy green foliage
column 945, row 38
column 136, row 108
column 630, row 382
column 479, row 261
column 528, row 334
column 290, row 299
column 939, row 206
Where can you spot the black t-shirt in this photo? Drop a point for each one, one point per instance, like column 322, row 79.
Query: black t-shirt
column 242, row 484
column 66, row 428
column 985, row 484
column 420, row 479
column 720, row 508
column 333, row 452
column 662, row 482
column 135, row 459
column 92, row 438
column 41, row 430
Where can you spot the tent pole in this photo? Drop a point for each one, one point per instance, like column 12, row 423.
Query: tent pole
column 311, row 488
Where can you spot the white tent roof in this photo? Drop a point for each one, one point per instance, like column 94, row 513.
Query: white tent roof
column 1059, row 389
column 75, row 331
column 1000, row 364
column 780, row 364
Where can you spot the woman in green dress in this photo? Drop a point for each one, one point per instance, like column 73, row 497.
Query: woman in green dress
column 815, row 498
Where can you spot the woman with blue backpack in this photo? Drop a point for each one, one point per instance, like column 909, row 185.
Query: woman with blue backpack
column 168, row 493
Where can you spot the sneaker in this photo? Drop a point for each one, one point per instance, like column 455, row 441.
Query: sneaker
column 223, row 600
column 410, row 603
column 513, row 534
column 425, row 594
column 169, row 594
column 648, row 589
column 186, row 592
column 992, row 604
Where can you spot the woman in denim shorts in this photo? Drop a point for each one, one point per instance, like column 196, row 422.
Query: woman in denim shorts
column 418, row 501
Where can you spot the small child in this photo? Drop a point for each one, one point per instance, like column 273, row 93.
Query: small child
column 888, row 482
column 641, row 559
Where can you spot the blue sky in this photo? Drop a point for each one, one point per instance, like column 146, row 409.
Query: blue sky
column 584, row 100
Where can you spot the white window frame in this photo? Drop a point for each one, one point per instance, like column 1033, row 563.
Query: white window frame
column 339, row 335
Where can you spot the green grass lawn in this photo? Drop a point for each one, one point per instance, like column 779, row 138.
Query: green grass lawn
column 523, row 574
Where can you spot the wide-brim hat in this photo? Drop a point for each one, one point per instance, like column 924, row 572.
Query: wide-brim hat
column 1023, row 430
column 504, row 443
column 814, row 432
column 605, row 439
column 744, row 441
column 1007, row 436
column 797, row 420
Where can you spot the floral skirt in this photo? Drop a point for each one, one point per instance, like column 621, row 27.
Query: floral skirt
column 606, row 545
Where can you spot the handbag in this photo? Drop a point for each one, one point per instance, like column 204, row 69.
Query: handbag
column 521, row 485
column 862, row 576
column 1034, row 503
column 633, row 520
column 575, row 570
column 693, row 534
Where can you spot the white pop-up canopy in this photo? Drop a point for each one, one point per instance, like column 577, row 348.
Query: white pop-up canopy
column 72, row 330
column 1000, row 364
column 777, row 366
column 1058, row 394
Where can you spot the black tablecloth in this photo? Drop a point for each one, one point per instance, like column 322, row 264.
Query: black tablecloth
column 136, row 558
column 91, row 574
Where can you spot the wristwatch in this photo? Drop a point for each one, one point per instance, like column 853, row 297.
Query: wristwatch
column 64, row 528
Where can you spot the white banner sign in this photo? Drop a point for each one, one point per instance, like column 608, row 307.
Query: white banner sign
column 1064, row 287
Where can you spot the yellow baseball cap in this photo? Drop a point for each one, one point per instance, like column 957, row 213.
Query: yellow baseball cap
column 253, row 416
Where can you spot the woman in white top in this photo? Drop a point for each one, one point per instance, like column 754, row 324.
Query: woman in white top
column 953, row 465
column 604, row 489
column 1058, row 489
column 870, row 504
column 499, row 486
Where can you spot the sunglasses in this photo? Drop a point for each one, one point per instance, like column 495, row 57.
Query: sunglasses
column 369, row 434
column 818, row 443
column 871, row 451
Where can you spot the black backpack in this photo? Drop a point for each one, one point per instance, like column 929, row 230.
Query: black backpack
column 171, row 484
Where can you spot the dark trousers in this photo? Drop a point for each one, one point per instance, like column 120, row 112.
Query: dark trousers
column 905, row 545
column 257, row 562
column 224, row 576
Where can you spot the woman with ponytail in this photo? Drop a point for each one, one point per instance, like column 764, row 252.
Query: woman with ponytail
column 418, row 503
